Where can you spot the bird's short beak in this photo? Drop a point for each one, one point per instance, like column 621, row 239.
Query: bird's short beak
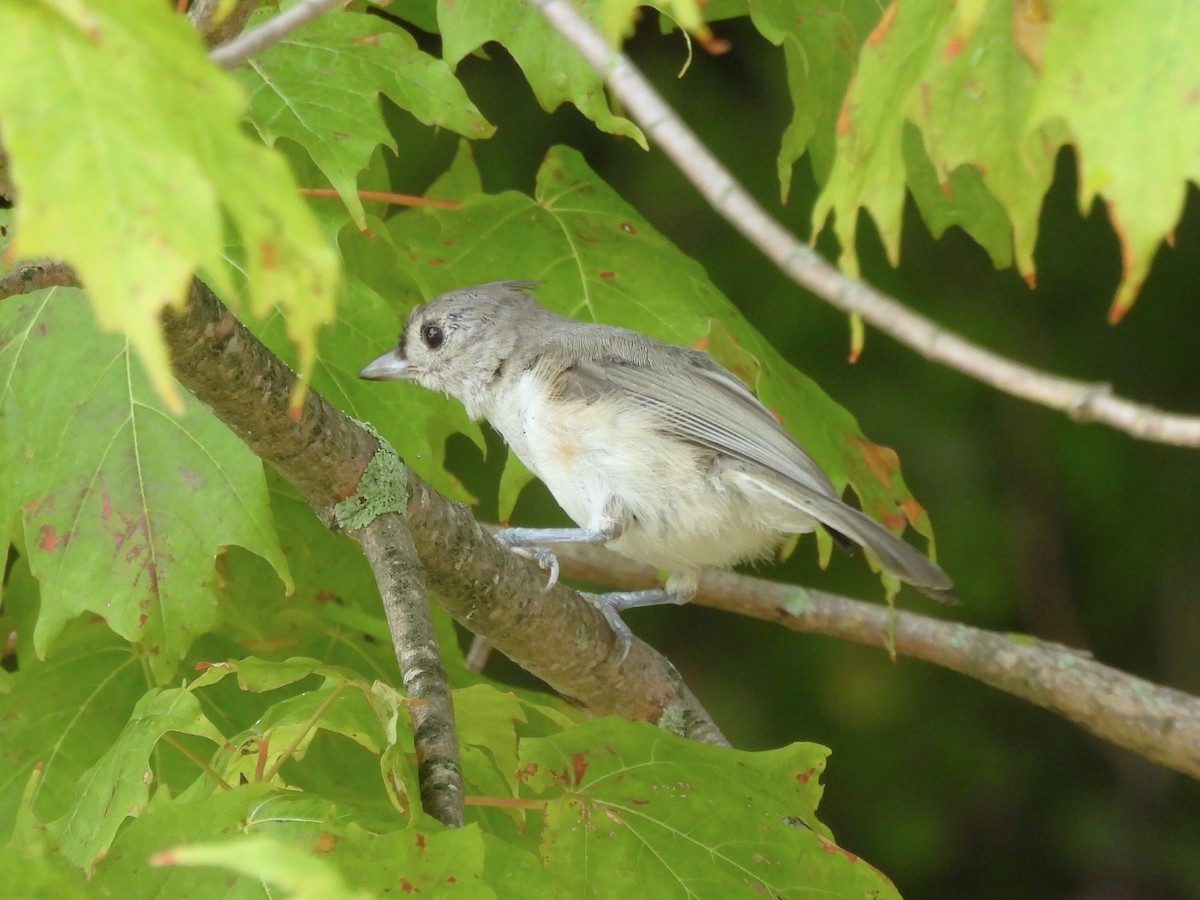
column 389, row 367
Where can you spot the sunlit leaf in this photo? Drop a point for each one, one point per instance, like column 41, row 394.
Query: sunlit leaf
column 130, row 160
column 1134, row 64
column 555, row 70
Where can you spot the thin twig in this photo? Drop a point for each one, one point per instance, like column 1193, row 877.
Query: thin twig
column 477, row 654
column 388, row 546
column 1083, row 401
column 1157, row 722
column 384, row 196
column 302, row 733
column 233, row 53
column 198, row 761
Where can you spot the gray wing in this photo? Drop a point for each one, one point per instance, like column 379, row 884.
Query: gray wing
column 701, row 402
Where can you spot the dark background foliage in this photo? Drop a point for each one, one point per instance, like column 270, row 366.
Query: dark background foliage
column 1069, row 532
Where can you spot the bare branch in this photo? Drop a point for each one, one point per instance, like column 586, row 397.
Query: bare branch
column 1157, row 722
column 1083, row 401
column 388, row 545
column 382, row 196
column 233, row 53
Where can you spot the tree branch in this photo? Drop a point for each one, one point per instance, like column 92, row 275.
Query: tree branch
column 565, row 641
column 388, row 545
column 7, row 191
column 556, row 635
column 233, row 53
column 1159, row 723
column 27, row 277
column 1083, row 401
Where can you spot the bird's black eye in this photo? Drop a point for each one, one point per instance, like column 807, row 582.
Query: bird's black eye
column 433, row 336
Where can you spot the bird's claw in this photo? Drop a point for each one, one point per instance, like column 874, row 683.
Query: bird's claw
column 545, row 559
column 610, row 605
column 612, row 615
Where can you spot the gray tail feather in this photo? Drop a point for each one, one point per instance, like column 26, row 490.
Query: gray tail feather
column 901, row 559
column 898, row 557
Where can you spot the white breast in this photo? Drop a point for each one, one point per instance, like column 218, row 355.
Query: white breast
column 608, row 465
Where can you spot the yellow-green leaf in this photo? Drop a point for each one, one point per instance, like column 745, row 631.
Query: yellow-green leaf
column 130, row 161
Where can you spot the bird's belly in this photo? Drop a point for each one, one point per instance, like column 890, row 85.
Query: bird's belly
column 610, row 468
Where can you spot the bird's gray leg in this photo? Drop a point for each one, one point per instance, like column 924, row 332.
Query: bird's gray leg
column 616, row 602
column 619, row 601
column 525, row 542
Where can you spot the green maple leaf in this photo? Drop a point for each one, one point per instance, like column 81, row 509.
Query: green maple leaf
column 130, row 162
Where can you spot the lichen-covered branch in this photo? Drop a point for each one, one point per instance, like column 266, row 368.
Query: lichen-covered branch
column 388, row 546
column 556, row 635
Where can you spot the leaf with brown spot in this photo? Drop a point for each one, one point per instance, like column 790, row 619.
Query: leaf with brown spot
column 147, row 499
column 660, row 815
column 881, row 461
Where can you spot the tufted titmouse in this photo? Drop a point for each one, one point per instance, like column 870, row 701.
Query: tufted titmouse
column 652, row 449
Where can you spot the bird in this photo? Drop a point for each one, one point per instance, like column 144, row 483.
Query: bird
column 652, row 449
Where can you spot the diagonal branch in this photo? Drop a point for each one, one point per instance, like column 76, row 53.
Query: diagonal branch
column 1157, row 722
column 1083, row 401
column 246, row 386
column 555, row 635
